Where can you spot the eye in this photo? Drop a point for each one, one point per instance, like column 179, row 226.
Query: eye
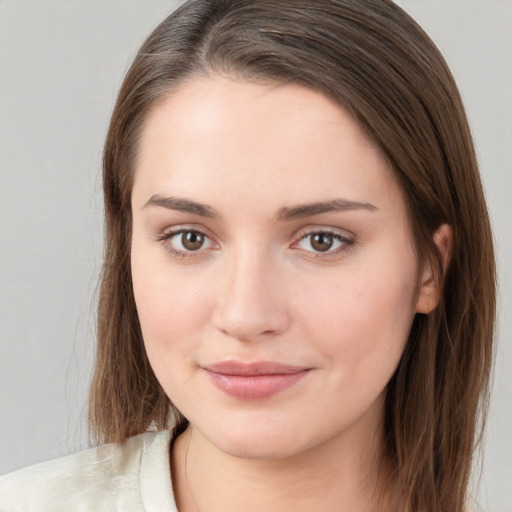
column 323, row 242
column 185, row 241
column 189, row 240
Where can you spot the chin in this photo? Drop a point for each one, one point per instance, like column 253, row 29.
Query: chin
column 259, row 440
column 261, row 448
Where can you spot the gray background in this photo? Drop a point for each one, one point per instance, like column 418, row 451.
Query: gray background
column 61, row 63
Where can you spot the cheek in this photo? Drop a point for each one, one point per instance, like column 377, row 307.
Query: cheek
column 362, row 322
column 172, row 316
column 172, row 309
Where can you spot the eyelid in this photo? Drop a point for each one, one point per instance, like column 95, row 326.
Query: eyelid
column 311, row 230
column 180, row 228
column 348, row 240
column 167, row 234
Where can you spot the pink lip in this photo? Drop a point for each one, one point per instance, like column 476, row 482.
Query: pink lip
column 253, row 381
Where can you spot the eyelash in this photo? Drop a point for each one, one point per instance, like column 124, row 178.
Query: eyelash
column 347, row 243
column 165, row 238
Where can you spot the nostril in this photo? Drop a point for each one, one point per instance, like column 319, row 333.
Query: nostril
column 251, row 302
column 250, row 321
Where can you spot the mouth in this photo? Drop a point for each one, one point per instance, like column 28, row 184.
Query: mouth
column 253, row 381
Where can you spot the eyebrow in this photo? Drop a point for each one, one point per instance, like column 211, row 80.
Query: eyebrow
column 182, row 205
column 335, row 205
column 287, row 213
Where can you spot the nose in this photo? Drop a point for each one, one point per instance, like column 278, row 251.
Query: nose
column 252, row 302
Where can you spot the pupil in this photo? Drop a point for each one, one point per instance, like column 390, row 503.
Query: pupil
column 192, row 240
column 322, row 242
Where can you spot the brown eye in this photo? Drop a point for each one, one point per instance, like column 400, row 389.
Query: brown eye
column 186, row 242
column 192, row 240
column 322, row 242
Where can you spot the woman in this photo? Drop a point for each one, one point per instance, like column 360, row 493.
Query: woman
column 298, row 290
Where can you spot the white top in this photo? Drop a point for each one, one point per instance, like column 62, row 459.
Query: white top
column 130, row 477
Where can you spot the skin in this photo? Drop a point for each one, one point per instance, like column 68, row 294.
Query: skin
column 259, row 290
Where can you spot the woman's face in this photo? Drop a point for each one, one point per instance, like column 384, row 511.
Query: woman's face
column 273, row 270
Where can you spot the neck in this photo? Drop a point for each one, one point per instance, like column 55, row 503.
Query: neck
column 344, row 474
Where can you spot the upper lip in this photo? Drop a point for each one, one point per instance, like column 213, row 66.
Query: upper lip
column 252, row 369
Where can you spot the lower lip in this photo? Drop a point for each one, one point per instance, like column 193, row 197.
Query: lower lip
column 255, row 387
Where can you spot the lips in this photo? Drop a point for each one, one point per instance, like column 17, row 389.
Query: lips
column 253, row 381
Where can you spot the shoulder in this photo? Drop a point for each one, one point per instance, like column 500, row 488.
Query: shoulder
column 132, row 476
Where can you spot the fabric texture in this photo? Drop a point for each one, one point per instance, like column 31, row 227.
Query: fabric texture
column 130, row 477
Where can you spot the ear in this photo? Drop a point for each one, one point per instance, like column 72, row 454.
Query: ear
column 429, row 293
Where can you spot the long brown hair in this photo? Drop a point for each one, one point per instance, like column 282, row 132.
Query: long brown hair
column 377, row 63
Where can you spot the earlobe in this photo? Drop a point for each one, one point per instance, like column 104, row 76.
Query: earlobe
column 429, row 287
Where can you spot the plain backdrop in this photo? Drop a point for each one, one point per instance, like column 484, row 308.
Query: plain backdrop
column 61, row 63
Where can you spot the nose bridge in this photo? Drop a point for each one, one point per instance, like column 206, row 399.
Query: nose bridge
column 251, row 300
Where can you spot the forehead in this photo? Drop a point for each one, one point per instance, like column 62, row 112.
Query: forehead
column 218, row 139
